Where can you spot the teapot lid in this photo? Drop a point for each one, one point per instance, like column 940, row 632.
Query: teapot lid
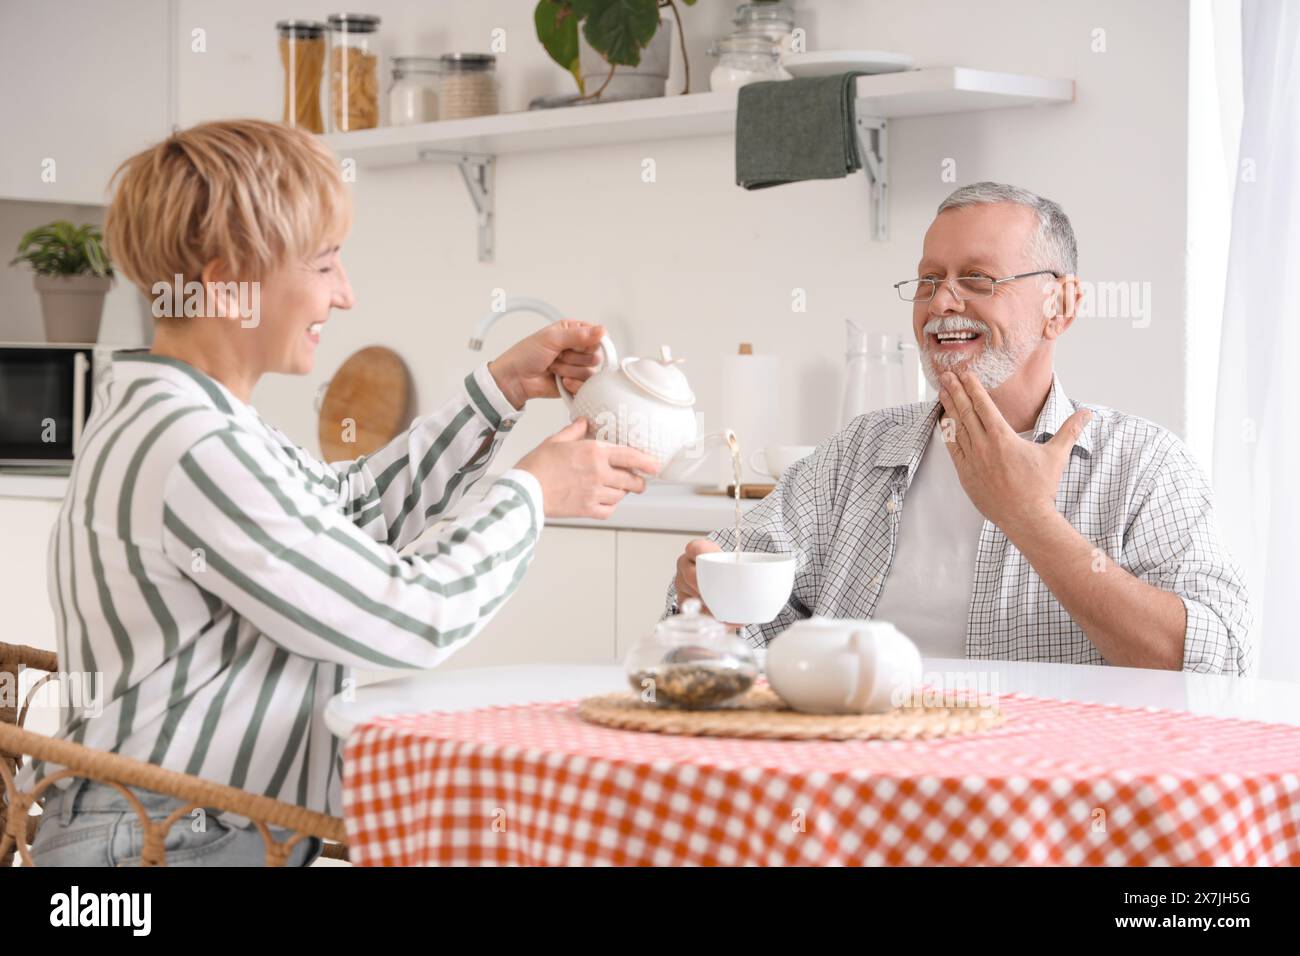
column 660, row 377
column 691, row 622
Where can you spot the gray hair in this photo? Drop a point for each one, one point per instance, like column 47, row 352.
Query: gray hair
column 1052, row 247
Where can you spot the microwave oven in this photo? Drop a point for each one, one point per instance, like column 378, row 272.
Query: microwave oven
column 45, row 396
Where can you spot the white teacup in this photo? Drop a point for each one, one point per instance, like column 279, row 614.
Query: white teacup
column 826, row 665
column 775, row 459
column 746, row 588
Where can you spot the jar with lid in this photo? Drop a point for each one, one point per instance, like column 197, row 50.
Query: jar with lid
column 772, row 20
column 413, row 97
column 468, row 85
column 354, row 71
column 691, row 662
column 302, row 54
column 743, row 60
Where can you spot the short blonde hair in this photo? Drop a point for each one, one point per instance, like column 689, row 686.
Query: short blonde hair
column 252, row 194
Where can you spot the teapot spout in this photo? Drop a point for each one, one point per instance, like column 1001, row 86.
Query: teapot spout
column 690, row 458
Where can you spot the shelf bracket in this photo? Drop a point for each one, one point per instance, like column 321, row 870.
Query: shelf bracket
column 873, row 147
column 477, row 170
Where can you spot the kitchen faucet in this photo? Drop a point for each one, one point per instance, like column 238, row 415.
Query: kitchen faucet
column 515, row 304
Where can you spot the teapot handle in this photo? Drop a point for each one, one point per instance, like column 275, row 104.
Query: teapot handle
column 609, row 359
column 858, row 647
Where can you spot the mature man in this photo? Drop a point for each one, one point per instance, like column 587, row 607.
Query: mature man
column 1005, row 520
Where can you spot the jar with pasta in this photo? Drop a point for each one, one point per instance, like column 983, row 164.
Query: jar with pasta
column 302, row 54
column 468, row 87
column 354, row 71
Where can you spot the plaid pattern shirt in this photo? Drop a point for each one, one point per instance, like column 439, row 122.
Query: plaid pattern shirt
column 1130, row 487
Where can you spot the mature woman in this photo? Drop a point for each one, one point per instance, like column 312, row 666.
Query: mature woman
column 216, row 578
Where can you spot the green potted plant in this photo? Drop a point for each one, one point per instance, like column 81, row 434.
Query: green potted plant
column 592, row 39
column 73, row 275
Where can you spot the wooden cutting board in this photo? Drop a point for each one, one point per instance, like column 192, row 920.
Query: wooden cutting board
column 366, row 405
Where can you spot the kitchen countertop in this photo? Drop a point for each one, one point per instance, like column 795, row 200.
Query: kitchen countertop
column 14, row 484
column 667, row 508
column 662, row 507
column 679, row 508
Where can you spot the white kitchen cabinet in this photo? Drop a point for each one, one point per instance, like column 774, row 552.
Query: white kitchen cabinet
column 587, row 597
column 563, row 610
column 26, row 616
column 647, row 561
column 86, row 85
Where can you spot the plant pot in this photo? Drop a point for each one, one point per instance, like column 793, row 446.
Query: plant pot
column 72, row 306
column 647, row 79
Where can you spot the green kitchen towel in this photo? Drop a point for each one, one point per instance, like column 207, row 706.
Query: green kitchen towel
column 791, row 130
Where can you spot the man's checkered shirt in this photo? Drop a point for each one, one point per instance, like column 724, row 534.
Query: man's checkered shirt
column 1131, row 488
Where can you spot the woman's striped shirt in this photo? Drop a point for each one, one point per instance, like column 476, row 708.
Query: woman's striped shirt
column 216, row 582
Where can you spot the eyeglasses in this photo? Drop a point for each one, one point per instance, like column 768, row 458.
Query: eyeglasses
column 963, row 287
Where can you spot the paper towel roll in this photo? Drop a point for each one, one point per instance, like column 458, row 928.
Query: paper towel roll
column 751, row 390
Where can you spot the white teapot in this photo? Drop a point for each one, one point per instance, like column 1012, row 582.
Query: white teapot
column 647, row 404
column 824, row 665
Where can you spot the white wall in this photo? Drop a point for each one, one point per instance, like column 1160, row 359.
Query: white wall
column 693, row 261
column 82, row 80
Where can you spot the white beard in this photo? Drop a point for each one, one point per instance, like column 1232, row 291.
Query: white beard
column 992, row 366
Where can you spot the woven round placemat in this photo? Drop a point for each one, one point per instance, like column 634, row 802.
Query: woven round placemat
column 760, row 713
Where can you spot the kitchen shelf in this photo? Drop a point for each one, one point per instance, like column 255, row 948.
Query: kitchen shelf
column 473, row 144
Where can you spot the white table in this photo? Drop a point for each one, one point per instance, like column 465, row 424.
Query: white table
column 1216, row 695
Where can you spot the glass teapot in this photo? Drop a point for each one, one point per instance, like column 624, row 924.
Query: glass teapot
column 691, row 662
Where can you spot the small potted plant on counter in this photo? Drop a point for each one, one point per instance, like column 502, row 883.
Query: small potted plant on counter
column 73, row 275
column 593, row 39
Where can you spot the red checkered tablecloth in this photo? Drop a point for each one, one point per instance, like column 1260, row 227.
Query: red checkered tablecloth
column 1060, row 783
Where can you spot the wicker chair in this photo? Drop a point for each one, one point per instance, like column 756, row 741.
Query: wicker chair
column 18, row 825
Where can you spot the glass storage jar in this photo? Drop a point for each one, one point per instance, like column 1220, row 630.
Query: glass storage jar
column 302, row 54
column 413, row 97
column 772, row 20
column 691, row 662
column 468, row 86
column 354, row 71
column 743, row 60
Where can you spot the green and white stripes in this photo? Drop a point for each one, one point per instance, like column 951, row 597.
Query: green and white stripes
column 221, row 581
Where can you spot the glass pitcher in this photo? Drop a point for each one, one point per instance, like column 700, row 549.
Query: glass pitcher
column 880, row 370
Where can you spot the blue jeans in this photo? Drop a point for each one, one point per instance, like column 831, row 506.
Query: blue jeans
column 93, row 824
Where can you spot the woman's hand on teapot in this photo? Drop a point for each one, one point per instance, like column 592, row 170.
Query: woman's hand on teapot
column 569, row 348
column 584, row 478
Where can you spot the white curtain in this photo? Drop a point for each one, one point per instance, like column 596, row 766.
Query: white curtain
column 1256, row 441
